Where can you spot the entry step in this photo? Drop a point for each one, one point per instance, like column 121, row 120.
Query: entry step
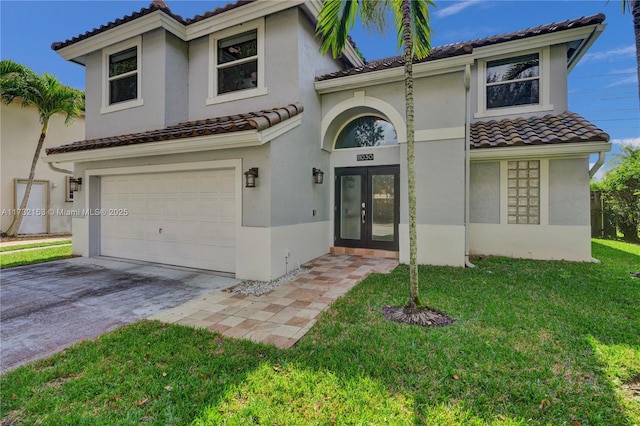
column 366, row 252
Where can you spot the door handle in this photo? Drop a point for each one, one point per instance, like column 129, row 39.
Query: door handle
column 363, row 214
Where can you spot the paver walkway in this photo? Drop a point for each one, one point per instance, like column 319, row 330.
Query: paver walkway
column 285, row 314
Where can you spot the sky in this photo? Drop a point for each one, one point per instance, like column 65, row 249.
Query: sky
column 603, row 87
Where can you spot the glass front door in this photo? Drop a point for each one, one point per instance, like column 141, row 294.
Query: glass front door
column 367, row 207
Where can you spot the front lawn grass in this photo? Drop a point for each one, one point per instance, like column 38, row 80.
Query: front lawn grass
column 35, row 245
column 547, row 343
column 38, row 255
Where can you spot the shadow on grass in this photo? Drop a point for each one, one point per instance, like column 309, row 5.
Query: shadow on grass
column 522, row 352
column 534, row 343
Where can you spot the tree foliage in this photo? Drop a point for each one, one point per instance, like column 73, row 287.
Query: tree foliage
column 621, row 189
column 49, row 97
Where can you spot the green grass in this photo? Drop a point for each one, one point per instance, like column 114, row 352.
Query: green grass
column 34, row 245
column 542, row 343
column 28, row 257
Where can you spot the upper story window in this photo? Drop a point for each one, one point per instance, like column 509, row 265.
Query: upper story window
column 367, row 131
column 513, row 81
column 237, row 66
column 237, row 63
column 514, row 84
column 122, row 76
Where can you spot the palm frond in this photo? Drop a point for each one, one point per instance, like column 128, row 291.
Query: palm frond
column 420, row 26
column 335, row 20
column 337, row 17
column 373, row 14
column 45, row 92
column 626, row 6
column 14, row 80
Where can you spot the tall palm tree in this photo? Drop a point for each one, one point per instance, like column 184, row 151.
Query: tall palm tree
column 50, row 97
column 633, row 6
column 335, row 20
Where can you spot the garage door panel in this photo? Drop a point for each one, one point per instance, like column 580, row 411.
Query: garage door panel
column 194, row 209
column 189, row 207
column 189, row 185
column 172, row 207
column 227, row 208
column 137, row 227
column 151, row 227
column 137, row 206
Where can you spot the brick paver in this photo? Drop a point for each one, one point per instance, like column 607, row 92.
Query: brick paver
column 286, row 313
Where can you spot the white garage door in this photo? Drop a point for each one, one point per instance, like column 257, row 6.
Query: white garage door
column 177, row 218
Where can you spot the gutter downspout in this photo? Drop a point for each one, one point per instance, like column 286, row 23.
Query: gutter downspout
column 594, row 169
column 59, row 170
column 467, row 165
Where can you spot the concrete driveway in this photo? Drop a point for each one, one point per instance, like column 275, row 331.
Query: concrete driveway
column 47, row 307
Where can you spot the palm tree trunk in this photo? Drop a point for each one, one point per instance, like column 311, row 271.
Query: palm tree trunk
column 635, row 12
column 414, row 297
column 17, row 220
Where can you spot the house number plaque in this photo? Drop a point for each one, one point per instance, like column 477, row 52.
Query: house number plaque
column 364, row 157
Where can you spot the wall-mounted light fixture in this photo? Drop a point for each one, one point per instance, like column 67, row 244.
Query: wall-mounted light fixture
column 318, row 176
column 74, row 184
column 250, row 177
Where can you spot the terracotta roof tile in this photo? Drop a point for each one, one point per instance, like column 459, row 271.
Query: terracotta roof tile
column 442, row 52
column 540, row 30
column 567, row 127
column 258, row 121
column 218, row 10
column 154, row 6
column 455, row 49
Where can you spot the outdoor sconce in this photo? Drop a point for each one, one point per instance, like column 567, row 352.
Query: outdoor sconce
column 74, row 184
column 318, row 176
column 250, row 177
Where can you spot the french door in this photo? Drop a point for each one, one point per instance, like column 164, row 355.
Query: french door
column 367, row 207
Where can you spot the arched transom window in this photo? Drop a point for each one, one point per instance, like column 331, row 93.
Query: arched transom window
column 367, row 131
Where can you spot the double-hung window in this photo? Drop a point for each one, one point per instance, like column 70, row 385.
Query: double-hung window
column 237, row 63
column 513, row 81
column 122, row 75
column 514, row 84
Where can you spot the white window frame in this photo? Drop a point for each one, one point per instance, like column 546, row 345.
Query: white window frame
column 106, row 53
column 261, row 89
column 544, row 103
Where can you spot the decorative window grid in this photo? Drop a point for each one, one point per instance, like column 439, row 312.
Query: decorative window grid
column 523, row 185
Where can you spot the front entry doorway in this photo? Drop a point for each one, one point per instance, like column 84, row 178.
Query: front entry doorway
column 367, row 207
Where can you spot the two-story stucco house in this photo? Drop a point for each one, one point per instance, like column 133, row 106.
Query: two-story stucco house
column 227, row 142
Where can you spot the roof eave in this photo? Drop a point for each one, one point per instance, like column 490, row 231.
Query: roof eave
column 237, row 16
column 241, row 139
column 537, row 41
column 566, row 149
column 370, row 78
column 157, row 19
column 585, row 46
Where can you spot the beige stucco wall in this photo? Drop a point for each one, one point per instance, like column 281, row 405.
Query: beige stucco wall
column 564, row 229
column 19, row 133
